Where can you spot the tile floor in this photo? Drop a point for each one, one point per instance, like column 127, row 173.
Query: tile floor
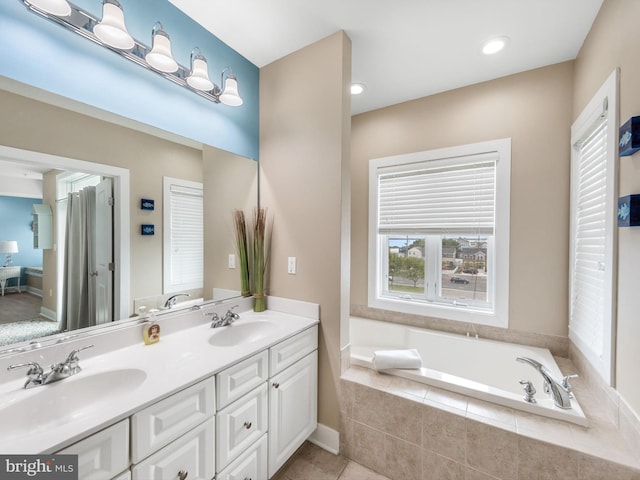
column 313, row 463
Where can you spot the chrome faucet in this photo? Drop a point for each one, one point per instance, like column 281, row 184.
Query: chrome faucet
column 228, row 318
column 171, row 301
column 560, row 391
column 59, row 371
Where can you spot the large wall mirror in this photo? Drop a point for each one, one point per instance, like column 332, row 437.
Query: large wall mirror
column 50, row 154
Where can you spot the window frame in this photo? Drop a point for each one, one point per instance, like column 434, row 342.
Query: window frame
column 607, row 95
column 167, row 285
column 498, row 316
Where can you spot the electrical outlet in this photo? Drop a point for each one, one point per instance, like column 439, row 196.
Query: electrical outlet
column 232, row 260
column 291, row 265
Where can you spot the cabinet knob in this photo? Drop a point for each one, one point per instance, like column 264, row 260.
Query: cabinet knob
column 247, row 425
column 276, row 384
column 182, row 475
column 247, row 478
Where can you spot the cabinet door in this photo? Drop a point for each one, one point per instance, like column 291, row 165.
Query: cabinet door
column 190, row 457
column 240, row 425
column 251, row 465
column 103, row 455
column 124, row 476
column 293, row 406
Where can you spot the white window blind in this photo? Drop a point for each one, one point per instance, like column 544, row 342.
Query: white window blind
column 590, row 236
column 594, row 173
column 184, row 243
column 433, row 198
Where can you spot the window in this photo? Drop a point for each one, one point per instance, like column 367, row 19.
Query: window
column 593, row 228
column 183, row 235
column 439, row 233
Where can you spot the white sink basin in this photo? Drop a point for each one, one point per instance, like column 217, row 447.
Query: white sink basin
column 241, row 333
column 50, row 406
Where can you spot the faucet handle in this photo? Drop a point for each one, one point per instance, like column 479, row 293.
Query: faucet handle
column 72, row 360
column 34, row 368
column 35, row 373
column 566, row 381
column 529, row 391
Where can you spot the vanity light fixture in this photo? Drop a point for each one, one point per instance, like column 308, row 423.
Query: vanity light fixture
column 60, row 8
column 110, row 31
column 160, row 56
column 230, row 95
column 494, row 45
column 199, row 76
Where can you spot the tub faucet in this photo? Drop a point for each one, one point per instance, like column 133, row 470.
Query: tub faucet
column 561, row 395
column 171, row 301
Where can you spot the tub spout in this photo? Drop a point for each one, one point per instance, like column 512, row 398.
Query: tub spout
column 561, row 396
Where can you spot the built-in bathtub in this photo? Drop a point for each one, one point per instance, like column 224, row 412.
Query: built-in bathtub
column 479, row 368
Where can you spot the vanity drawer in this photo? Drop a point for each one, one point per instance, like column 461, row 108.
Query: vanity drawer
column 241, row 424
column 241, row 378
column 293, row 349
column 251, row 465
column 191, row 454
column 157, row 425
column 103, row 455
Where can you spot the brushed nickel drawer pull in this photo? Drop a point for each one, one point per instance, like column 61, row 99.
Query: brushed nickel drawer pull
column 247, row 425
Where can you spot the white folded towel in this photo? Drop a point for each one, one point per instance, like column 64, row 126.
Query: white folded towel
column 385, row 359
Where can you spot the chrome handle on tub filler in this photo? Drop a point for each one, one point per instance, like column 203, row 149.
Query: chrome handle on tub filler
column 529, row 391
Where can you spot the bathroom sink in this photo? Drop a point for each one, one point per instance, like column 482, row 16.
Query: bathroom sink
column 241, row 333
column 49, row 406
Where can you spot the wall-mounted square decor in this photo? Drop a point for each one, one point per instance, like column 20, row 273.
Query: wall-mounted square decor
column 147, row 229
column 147, row 204
column 629, row 211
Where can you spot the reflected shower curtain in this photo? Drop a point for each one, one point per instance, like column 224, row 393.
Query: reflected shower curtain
column 78, row 295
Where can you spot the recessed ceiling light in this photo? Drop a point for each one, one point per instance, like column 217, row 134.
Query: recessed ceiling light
column 357, row 88
column 494, row 45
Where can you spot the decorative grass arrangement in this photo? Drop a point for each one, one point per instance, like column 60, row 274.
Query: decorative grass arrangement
column 261, row 240
column 243, row 251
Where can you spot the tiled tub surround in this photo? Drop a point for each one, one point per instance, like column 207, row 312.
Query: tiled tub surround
column 182, row 358
column 477, row 367
column 411, row 431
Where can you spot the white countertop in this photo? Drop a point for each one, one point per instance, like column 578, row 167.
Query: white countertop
column 179, row 360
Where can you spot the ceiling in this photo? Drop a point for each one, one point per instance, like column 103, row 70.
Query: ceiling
column 409, row 48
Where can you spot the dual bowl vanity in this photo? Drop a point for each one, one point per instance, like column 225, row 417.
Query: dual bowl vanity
column 229, row 402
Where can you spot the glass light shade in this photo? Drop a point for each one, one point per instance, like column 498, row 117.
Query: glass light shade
column 199, row 76
column 59, row 8
column 160, row 56
column 230, row 95
column 111, row 30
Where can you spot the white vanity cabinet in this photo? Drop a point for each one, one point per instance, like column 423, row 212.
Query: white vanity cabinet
column 293, row 395
column 103, row 455
column 243, row 423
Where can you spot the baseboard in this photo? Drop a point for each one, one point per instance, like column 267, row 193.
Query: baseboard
column 48, row 314
column 326, row 438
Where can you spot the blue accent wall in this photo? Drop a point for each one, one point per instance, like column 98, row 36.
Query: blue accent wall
column 40, row 53
column 15, row 224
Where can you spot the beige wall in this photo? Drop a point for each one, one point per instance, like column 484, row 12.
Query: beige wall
column 304, row 141
column 613, row 42
column 33, row 125
column 534, row 109
column 231, row 184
